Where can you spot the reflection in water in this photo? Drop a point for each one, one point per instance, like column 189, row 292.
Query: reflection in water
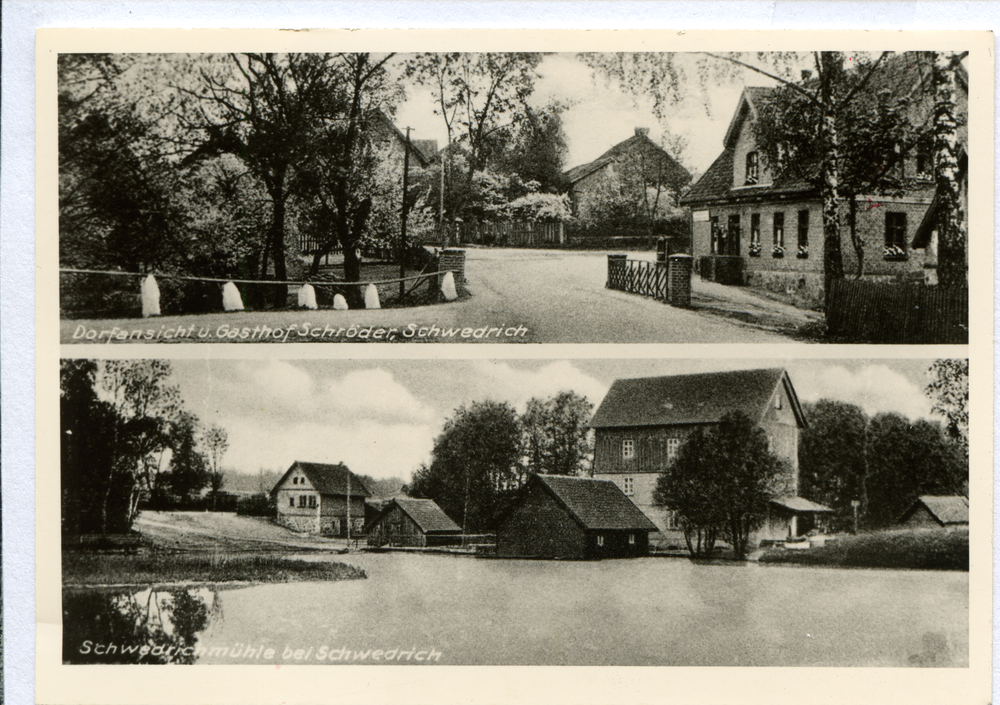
column 146, row 626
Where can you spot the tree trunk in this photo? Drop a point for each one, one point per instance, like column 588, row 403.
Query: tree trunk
column 277, row 237
column 833, row 259
column 352, row 273
column 856, row 240
column 952, row 271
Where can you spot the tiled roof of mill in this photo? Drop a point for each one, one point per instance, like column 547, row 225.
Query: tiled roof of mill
column 694, row 398
column 947, row 510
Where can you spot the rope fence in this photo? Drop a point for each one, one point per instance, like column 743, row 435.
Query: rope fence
column 327, row 291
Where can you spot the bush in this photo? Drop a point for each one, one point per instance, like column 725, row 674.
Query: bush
column 258, row 505
column 924, row 549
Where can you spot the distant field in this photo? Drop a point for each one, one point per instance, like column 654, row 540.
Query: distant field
column 206, row 531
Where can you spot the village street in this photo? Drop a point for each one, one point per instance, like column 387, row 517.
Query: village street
column 522, row 296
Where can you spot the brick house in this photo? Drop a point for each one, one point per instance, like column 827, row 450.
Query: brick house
column 934, row 512
column 557, row 516
column 774, row 227
column 315, row 498
column 642, row 423
column 634, row 160
column 405, row 521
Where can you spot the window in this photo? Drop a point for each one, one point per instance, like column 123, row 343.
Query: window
column 600, row 539
column 732, row 244
column 672, row 519
column 628, row 449
column 895, row 236
column 628, row 486
column 803, row 250
column 291, row 501
column 312, row 501
column 925, row 162
column 295, row 480
column 715, row 246
column 754, row 235
column 631, row 539
column 777, row 402
column 302, row 500
column 673, row 447
column 753, row 168
column 778, row 248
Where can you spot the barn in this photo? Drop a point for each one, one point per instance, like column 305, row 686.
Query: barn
column 936, row 512
column 557, row 516
column 405, row 521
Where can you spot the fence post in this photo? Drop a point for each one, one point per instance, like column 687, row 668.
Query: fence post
column 679, row 280
column 452, row 260
column 614, row 261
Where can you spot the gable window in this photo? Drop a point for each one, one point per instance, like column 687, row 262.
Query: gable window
column 925, row 161
column 295, row 480
column 733, row 236
column 803, row 250
column 754, row 250
column 778, row 246
column 628, row 486
column 600, row 539
column 777, row 402
column 673, row 447
column 753, row 168
column 895, row 236
column 716, row 245
column 628, row 449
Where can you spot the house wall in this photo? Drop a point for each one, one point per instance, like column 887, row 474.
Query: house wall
column 583, row 191
column 539, row 527
column 329, row 516
column 616, row 544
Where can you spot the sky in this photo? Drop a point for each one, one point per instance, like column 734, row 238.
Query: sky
column 381, row 417
column 601, row 115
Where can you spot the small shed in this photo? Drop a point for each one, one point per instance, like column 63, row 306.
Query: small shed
column 405, row 521
column 558, row 516
column 936, row 512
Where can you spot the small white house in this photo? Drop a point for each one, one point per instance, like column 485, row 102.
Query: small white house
column 318, row 498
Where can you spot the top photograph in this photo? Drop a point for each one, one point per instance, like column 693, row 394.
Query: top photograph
column 586, row 197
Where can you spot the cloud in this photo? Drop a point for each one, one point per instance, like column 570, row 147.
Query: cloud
column 376, row 395
column 875, row 388
column 496, row 379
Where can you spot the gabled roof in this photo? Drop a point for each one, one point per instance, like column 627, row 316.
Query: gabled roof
column 594, row 504
column 800, row 504
column 327, row 479
column 674, row 172
column 695, row 398
column 415, row 150
column 946, row 510
column 425, row 513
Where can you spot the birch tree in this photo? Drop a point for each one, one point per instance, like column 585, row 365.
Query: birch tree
column 951, row 223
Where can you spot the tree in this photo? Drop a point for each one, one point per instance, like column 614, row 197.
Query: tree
column 949, row 389
column 721, row 483
column 951, row 225
column 556, row 434
column 475, row 461
column 832, row 461
column 537, row 149
column 189, row 470
column 216, row 442
column 905, row 460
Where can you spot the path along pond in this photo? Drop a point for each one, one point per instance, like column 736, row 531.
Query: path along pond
column 436, row 609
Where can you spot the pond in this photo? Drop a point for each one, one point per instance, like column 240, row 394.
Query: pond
column 421, row 608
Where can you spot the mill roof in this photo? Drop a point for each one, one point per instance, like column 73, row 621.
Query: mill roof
column 694, row 398
column 946, row 509
column 327, row 479
column 594, row 504
column 425, row 513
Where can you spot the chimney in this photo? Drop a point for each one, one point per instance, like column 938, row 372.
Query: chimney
column 642, row 132
column 806, row 75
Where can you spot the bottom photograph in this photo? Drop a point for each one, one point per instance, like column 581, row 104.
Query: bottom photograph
column 667, row 512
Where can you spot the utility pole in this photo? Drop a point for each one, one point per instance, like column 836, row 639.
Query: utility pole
column 402, row 235
column 348, row 508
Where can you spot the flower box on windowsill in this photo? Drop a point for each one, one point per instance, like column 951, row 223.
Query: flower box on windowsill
column 895, row 258
column 894, row 254
column 754, row 251
column 803, row 253
column 778, row 252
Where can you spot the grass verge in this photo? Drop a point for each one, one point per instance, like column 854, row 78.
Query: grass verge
column 919, row 550
column 152, row 569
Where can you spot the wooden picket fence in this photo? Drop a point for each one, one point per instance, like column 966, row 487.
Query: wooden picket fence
column 905, row 314
column 637, row 277
column 512, row 234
